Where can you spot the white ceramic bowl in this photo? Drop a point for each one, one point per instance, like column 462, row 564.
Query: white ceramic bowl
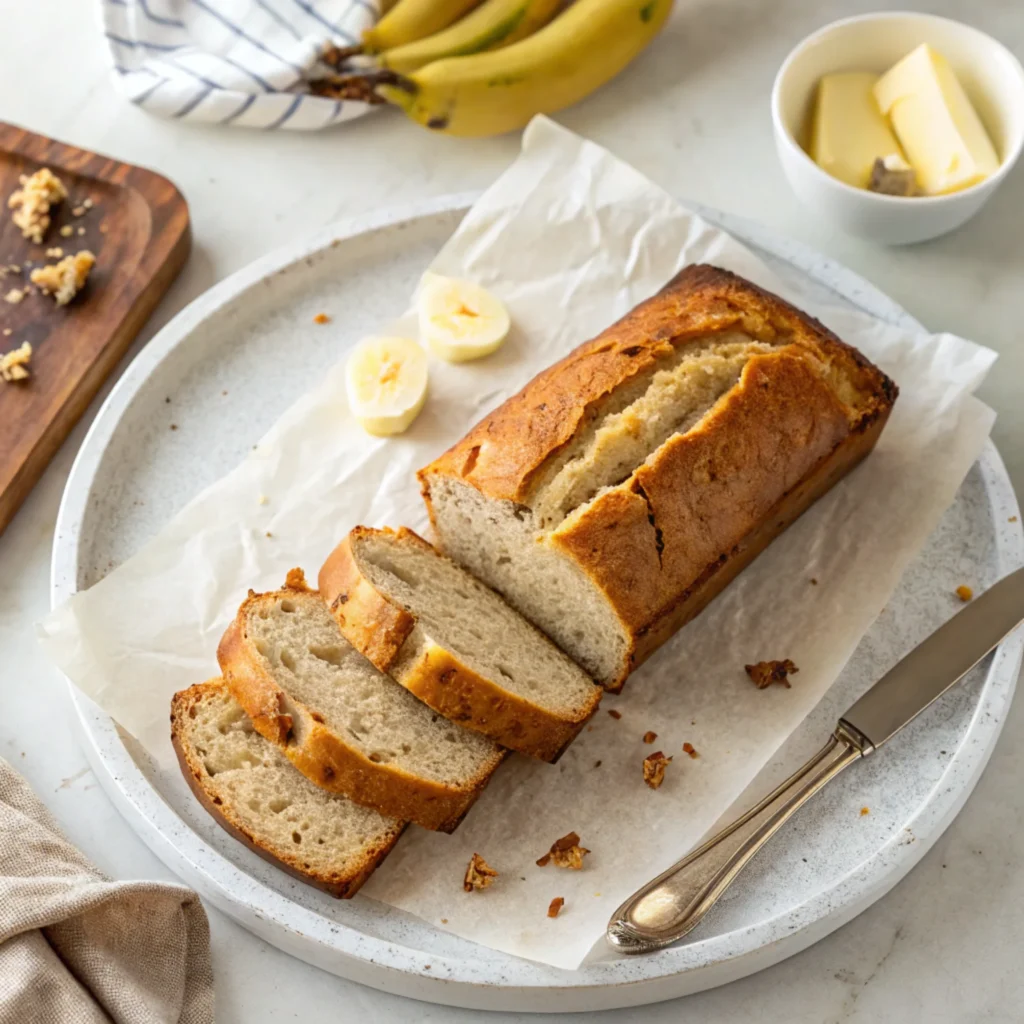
column 992, row 77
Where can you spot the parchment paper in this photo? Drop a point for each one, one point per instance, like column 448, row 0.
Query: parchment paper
column 570, row 238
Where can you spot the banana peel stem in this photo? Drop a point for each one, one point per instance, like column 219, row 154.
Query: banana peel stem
column 375, row 87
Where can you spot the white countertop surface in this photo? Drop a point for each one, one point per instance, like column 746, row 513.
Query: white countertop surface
column 693, row 115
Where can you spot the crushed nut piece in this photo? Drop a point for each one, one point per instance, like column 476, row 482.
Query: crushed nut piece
column 650, row 737
column 87, row 203
column 764, row 673
column 67, row 231
column 555, row 906
column 479, row 874
column 78, row 211
column 14, row 296
column 65, row 279
column 321, row 318
column 263, row 499
column 444, row 920
column 565, row 852
column 55, row 253
column 31, row 203
column 964, row 593
column 615, row 714
column 14, row 268
column 654, row 768
column 688, row 748
column 14, row 364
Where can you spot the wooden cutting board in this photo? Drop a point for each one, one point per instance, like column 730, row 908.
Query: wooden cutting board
column 137, row 227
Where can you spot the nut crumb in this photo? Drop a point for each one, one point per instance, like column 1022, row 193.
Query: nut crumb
column 565, row 853
column 764, row 673
column 14, row 364
column 87, row 203
column 55, row 253
column 865, row 810
column 964, row 593
column 650, row 737
column 321, row 318
column 263, row 499
column 67, row 231
column 81, row 231
column 65, row 279
column 78, row 211
column 615, row 714
column 555, row 906
column 1012, row 519
column 688, row 748
column 15, row 295
column 479, row 874
column 7, row 332
column 32, row 202
column 444, row 920
column 269, row 534
column 654, row 768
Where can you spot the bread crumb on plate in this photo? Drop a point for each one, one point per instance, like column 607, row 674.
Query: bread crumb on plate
column 321, row 318
column 964, row 592
column 654, row 769
column 479, row 874
column 14, row 296
column 615, row 714
column 555, row 906
column 650, row 737
column 32, row 202
column 764, row 673
column 14, row 364
column 688, row 748
column 565, row 853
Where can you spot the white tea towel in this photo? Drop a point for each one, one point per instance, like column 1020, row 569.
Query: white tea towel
column 234, row 62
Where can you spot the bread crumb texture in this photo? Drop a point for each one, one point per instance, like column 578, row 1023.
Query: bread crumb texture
column 764, row 673
column 565, row 853
column 479, row 874
column 555, row 906
column 64, row 280
column 14, row 364
column 32, row 202
column 654, row 769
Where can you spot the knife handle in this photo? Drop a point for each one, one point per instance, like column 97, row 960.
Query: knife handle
column 675, row 902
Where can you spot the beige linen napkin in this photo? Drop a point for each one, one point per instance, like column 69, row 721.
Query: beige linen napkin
column 75, row 946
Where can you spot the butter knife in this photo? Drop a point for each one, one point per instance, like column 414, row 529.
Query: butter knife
column 672, row 905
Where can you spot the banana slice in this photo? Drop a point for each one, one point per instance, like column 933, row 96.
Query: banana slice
column 386, row 380
column 460, row 320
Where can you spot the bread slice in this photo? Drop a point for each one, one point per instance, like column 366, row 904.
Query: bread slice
column 454, row 642
column 342, row 723
column 619, row 491
column 254, row 793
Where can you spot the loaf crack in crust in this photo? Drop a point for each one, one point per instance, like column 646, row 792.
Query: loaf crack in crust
column 615, row 495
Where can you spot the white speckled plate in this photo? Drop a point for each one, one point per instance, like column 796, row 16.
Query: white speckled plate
column 226, row 367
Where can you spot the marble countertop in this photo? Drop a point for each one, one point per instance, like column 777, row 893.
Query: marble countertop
column 693, row 115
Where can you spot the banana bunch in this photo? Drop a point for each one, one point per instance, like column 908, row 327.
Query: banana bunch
column 471, row 68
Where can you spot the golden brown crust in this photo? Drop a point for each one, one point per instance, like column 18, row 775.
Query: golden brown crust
column 503, row 454
column 322, row 755
column 373, row 624
column 337, row 885
column 435, row 675
column 661, row 546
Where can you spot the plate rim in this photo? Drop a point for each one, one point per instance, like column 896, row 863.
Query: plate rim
column 522, row 984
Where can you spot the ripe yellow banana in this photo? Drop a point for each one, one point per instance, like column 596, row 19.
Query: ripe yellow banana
column 500, row 90
column 495, row 23
column 410, row 20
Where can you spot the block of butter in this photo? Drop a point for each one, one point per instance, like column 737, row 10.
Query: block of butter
column 939, row 129
column 848, row 132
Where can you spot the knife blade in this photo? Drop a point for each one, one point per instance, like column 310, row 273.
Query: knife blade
column 938, row 663
column 675, row 902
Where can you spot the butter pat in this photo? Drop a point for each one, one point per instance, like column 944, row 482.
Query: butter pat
column 935, row 122
column 849, row 132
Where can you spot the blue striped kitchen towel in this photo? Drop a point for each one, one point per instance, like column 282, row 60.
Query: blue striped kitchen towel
column 235, row 62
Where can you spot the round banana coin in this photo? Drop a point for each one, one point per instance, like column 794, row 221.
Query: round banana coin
column 386, row 381
column 459, row 320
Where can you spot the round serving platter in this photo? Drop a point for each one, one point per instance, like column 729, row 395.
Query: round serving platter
column 223, row 371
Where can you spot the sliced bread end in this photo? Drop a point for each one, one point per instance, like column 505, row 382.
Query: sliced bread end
column 253, row 792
